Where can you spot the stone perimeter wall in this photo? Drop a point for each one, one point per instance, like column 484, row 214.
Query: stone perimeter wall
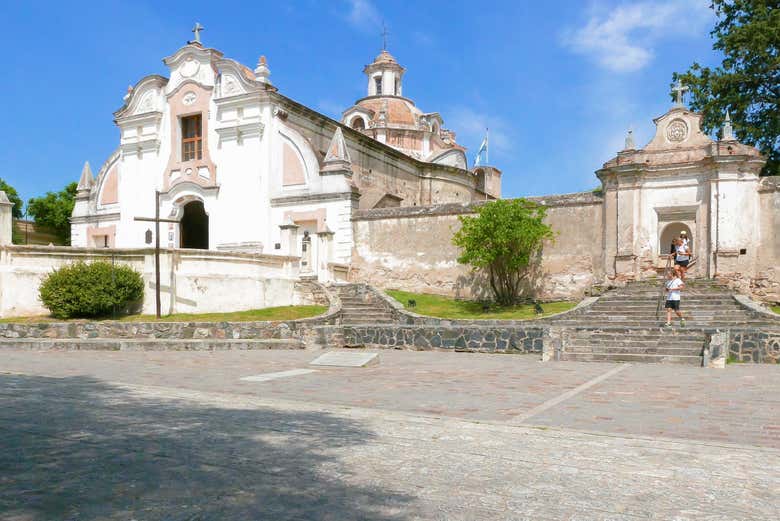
column 191, row 281
column 410, row 248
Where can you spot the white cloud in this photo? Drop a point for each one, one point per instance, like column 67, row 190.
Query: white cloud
column 621, row 39
column 363, row 15
column 469, row 127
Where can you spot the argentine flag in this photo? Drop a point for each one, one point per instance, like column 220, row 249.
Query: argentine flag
column 482, row 148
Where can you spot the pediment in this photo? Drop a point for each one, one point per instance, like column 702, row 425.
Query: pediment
column 192, row 63
column 145, row 97
column 678, row 128
column 234, row 79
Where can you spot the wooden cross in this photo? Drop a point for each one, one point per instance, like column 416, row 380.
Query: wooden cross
column 197, row 29
column 157, row 220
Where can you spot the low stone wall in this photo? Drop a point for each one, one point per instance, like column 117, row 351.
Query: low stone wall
column 491, row 339
column 192, row 281
column 755, row 346
column 297, row 329
column 164, row 330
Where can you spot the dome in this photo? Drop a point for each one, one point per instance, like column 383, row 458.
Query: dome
column 398, row 111
column 384, row 57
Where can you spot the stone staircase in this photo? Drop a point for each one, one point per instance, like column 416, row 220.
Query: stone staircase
column 359, row 305
column 623, row 324
column 704, row 304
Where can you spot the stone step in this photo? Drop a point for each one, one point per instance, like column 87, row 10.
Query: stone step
column 150, row 344
column 603, row 350
column 656, row 298
column 646, row 324
column 638, row 340
column 650, row 310
column 363, row 320
column 364, row 309
column 641, row 358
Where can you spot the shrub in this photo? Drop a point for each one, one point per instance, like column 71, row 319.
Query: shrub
column 91, row 290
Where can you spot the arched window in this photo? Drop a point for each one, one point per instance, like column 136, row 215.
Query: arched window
column 358, row 123
column 378, row 85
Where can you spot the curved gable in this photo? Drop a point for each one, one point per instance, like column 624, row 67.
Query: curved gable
column 298, row 158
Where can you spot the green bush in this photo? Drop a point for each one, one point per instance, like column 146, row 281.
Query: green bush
column 91, row 290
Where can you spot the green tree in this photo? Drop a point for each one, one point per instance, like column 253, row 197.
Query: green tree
column 54, row 210
column 502, row 241
column 747, row 82
column 13, row 196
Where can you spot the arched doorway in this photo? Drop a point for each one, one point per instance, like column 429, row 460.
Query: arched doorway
column 672, row 231
column 194, row 226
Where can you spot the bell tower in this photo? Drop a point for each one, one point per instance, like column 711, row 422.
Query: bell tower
column 384, row 76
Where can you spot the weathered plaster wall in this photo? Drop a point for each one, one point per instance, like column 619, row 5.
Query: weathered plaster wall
column 192, row 281
column 411, row 248
column 766, row 283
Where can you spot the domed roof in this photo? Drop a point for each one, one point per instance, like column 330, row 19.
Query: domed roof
column 399, row 111
column 384, row 57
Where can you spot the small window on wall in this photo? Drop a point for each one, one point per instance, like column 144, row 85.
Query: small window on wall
column 378, row 85
column 191, row 138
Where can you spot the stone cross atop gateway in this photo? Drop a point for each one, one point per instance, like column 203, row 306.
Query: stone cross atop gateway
column 682, row 180
column 197, row 29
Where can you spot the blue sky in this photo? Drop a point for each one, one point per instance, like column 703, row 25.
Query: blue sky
column 557, row 82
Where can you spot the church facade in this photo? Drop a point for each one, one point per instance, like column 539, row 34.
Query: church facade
column 375, row 197
column 240, row 167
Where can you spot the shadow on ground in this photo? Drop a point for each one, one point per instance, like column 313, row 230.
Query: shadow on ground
column 80, row 449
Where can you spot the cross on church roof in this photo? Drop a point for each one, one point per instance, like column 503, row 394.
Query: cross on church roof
column 197, row 29
column 384, row 34
column 679, row 89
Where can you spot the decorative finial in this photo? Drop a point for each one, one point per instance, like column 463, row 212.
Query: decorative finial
column 86, row 181
column 197, row 29
column 262, row 72
column 728, row 130
column 384, row 34
column 679, row 89
column 630, row 145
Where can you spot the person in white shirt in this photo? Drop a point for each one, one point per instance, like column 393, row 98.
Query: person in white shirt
column 684, row 238
column 674, row 286
column 682, row 256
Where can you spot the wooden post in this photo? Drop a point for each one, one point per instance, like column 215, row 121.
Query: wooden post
column 157, row 302
column 157, row 220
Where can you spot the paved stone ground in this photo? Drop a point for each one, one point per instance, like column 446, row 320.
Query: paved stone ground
column 443, row 436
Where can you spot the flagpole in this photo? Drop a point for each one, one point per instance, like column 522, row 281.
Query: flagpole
column 487, row 145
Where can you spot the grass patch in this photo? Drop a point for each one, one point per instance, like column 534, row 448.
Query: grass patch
column 252, row 315
column 448, row 307
column 776, row 309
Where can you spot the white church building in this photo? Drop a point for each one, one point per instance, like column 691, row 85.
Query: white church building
column 240, row 167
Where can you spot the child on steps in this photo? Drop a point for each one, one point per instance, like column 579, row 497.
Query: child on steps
column 674, row 286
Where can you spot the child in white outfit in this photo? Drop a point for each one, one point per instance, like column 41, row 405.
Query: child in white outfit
column 673, row 288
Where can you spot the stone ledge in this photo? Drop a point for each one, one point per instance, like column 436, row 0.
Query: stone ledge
column 550, row 201
column 757, row 308
column 110, row 344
